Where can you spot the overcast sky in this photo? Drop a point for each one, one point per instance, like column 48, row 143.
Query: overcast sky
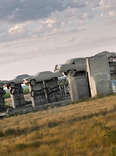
column 35, row 35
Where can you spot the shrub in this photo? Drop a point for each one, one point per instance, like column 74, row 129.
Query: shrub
column 25, row 90
column 7, row 95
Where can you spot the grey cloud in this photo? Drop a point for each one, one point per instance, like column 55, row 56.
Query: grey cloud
column 19, row 11
column 23, row 10
column 69, row 15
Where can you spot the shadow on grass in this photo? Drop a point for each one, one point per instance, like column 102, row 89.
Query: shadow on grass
column 17, row 132
column 35, row 144
column 111, row 136
column 29, row 145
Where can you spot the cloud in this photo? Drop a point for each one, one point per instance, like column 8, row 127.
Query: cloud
column 19, row 11
column 18, row 28
column 27, row 18
column 105, row 4
column 24, row 10
column 112, row 13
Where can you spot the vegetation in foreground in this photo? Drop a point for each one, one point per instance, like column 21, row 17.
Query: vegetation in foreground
column 84, row 129
column 25, row 91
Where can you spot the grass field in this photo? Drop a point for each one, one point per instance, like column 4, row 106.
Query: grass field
column 83, row 129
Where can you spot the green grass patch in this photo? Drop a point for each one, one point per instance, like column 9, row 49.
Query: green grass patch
column 111, row 136
column 26, row 90
column 113, row 151
column 7, row 95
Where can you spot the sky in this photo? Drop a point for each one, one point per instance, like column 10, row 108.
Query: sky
column 35, row 35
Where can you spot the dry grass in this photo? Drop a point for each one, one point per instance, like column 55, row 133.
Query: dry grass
column 83, row 129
